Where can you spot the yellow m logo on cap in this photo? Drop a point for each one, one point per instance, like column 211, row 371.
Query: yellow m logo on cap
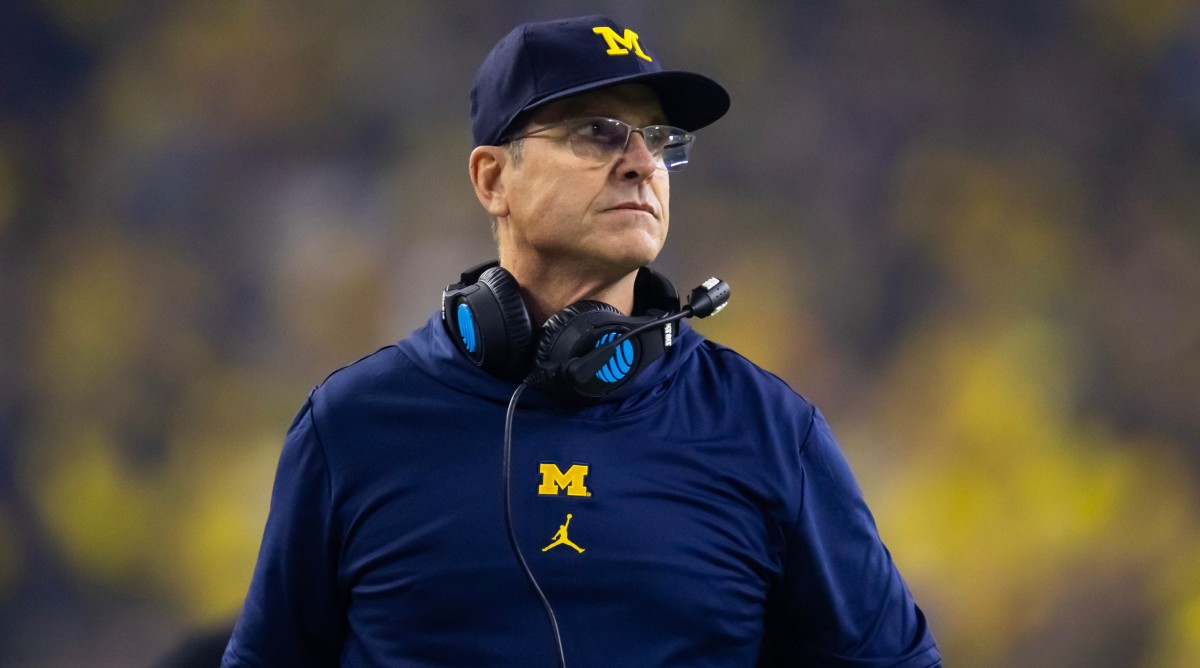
column 553, row 480
column 620, row 45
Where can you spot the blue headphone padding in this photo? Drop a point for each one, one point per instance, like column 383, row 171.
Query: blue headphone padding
column 466, row 327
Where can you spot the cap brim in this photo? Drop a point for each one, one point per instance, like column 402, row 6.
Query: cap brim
column 690, row 101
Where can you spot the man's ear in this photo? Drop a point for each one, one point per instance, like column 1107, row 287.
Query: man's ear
column 487, row 165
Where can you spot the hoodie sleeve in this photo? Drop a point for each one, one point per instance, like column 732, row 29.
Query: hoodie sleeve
column 841, row 602
column 292, row 615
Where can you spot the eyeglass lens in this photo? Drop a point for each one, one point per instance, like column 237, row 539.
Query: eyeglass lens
column 601, row 138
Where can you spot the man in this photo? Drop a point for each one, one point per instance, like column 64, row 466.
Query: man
column 421, row 511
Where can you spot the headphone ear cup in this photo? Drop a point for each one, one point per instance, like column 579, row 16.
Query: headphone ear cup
column 511, row 350
column 549, row 352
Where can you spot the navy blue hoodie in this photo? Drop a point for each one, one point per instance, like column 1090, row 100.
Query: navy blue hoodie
column 703, row 517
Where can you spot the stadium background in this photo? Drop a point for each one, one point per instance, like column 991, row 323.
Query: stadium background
column 970, row 232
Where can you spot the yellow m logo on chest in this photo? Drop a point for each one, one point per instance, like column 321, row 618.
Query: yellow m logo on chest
column 554, row 480
column 621, row 45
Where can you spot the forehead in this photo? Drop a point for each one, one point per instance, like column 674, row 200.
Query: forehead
column 635, row 104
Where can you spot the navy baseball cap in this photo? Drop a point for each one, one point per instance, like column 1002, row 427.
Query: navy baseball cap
column 538, row 63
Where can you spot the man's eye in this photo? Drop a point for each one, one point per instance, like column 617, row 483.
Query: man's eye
column 599, row 131
column 585, row 129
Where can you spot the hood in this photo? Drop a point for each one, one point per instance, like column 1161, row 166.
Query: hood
column 431, row 350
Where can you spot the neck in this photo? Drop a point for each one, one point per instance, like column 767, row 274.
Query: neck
column 547, row 291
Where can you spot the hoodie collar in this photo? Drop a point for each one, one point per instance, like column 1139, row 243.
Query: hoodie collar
column 432, row 351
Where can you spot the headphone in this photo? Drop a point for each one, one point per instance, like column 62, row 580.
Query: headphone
column 584, row 352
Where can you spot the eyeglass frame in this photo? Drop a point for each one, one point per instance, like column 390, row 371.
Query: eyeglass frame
column 571, row 137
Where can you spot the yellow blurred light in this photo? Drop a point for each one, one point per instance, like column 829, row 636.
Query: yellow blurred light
column 1000, row 224
column 210, row 538
column 97, row 511
column 215, row 552
column 89, row 324
column 760, row 269
column 1137, row 24
column 1008, row 495
column 1178, row 644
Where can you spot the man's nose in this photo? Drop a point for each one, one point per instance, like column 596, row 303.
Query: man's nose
column 637, row 162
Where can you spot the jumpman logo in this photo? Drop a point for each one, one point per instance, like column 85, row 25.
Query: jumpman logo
column 560, row 538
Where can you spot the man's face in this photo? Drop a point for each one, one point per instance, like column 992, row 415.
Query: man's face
column 570, row 214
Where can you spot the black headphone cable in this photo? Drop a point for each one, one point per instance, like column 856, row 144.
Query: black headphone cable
column 508, row 524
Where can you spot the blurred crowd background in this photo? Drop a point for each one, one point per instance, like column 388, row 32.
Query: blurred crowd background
column 968, row 231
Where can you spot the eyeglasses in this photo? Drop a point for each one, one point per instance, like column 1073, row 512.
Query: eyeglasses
column 602, row 139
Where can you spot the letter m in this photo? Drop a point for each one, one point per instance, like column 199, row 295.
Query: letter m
column 619, row 45
column 554, row 480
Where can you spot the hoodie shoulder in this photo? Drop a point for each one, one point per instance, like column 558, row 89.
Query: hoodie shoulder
column 364, row 377
column 739, row 374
